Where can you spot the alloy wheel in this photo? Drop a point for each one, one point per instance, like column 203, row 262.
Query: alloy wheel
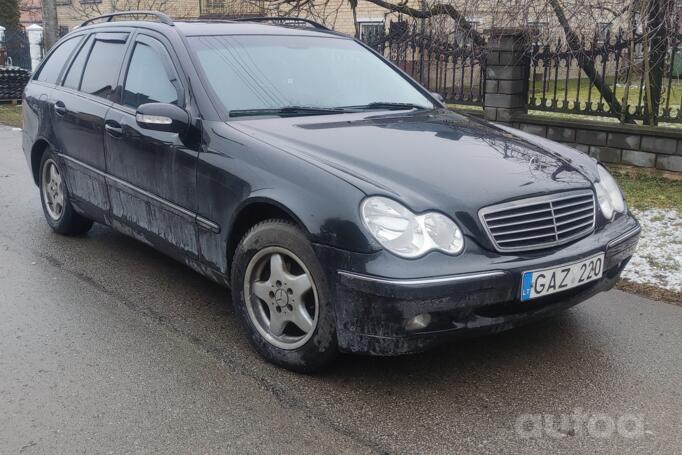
column 53, row 190
column 281, row 298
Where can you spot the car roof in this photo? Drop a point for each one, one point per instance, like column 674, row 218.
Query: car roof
column 206, row 28
column 191, row 28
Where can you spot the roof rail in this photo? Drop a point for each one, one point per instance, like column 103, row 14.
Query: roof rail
column 108, row 17
column 316, row 25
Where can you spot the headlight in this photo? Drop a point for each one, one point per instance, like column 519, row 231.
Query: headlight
column 409, row 235
column 608, row 194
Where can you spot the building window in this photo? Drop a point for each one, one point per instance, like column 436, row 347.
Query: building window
column 637, row 23
column 537, row 26
column 399, row 28
column 463, row 36
column 537, row 30
column 371, row 31
column 213, row 7
column 603, row 29
column 474, row 22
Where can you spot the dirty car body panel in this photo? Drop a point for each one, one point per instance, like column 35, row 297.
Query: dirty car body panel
column 187, row 193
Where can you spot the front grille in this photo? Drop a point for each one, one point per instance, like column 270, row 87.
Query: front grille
column 540, row 222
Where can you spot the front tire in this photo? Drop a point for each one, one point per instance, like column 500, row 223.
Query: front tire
column 54, row 197
column 282, row 297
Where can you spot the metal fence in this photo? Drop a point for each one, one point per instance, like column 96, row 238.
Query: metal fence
column 441, row 62
column 558, row 84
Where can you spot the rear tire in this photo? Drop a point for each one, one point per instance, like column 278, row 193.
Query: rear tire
column 54, row 196
column 282, row 297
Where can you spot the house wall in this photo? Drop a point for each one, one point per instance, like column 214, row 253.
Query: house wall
column 336, row 14
column 31, row 12
column 71, row 13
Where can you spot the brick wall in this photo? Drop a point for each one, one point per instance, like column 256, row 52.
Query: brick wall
column 659, row 148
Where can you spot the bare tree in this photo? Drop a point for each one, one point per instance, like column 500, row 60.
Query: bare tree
column 86, row 10
column 585, row 62
column 50, row 24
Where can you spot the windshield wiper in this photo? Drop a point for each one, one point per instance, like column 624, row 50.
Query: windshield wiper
column 388, row 105
column 287, row 110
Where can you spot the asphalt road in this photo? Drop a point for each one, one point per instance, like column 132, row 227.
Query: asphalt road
column 109, row 347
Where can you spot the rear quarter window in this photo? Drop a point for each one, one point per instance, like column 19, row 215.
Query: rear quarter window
column 51, row 69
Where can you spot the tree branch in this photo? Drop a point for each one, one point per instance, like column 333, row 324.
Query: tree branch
column 585, row 62
column 439, row 9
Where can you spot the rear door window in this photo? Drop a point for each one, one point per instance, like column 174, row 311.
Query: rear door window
column 104, row 63
column 50, row 71
column 73, row 75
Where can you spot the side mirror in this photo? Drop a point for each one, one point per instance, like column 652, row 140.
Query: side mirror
column 162, row 117
column 438, row 96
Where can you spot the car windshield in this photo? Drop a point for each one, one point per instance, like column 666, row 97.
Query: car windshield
column 300, row 75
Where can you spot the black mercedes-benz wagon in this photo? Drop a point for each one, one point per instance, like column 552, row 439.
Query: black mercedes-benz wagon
column 345, row 207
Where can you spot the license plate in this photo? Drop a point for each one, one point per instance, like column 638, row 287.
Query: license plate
column 539, row 283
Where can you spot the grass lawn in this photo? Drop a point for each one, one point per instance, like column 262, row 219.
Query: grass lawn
column 645, row 191
column 10, row 114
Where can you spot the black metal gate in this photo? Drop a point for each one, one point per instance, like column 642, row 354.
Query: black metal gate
column 443, row 63
column 17, row 46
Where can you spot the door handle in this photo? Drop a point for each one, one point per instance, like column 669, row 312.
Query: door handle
column 59, row 108
column 113, row 129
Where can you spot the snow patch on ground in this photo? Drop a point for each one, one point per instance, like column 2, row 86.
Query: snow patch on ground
column 658, row 260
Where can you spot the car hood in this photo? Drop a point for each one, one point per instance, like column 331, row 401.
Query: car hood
column 429, row 159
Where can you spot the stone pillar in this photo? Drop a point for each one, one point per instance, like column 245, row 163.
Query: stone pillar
column 35, row 40
column 506, row 86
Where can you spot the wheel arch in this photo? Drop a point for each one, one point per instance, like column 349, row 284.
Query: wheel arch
column 37, row 151
column 252, row 212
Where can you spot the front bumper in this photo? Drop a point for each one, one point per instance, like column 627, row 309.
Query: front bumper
column 479, row 293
